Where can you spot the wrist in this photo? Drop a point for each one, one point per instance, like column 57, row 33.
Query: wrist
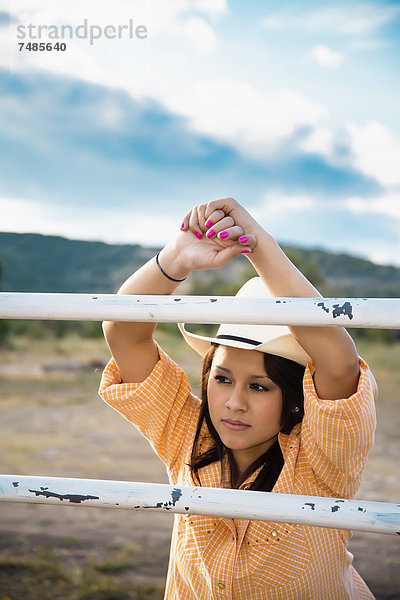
column 265, row 251
column 265, row 241
column 171, row 264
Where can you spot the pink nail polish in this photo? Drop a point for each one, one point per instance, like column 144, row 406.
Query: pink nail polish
column 223, row 235
column 209, row 224
column 210, row 233
column 182, row 226
column 246, row 251
column 243, row 239
column 198, row 235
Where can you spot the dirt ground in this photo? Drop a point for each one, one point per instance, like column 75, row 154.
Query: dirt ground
column 54, row 424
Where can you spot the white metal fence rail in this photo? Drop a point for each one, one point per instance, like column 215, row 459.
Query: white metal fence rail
column 348, row 312
column 339, row 513
column 378, row 517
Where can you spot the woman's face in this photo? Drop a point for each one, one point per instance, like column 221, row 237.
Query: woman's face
column 245, row 405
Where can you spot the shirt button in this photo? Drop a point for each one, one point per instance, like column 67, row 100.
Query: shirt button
column 274, row 533
column 220, row 585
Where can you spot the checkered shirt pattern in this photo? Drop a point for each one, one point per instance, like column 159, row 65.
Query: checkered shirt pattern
column 232, row 559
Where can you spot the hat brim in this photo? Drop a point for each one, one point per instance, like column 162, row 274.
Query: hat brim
column 285, row 346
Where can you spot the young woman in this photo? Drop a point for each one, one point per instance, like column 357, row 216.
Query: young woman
column 282, row 411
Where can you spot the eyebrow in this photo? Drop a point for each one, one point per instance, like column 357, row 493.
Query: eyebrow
column 252, row 376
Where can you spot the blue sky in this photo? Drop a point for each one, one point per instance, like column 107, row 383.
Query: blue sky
column 290, row 107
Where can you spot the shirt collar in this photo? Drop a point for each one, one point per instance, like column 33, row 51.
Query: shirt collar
column 225, row 476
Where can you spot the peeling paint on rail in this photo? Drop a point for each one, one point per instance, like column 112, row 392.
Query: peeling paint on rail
column 77, row 498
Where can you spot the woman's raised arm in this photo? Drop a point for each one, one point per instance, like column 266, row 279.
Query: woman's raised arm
column 132, row 344
column 331, row 348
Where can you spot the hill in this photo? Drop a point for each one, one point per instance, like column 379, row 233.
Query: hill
column 39, row 263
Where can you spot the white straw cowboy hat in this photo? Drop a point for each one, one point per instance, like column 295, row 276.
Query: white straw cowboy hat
column 272, row 339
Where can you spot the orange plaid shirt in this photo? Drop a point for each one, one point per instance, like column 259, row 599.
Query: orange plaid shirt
column 232, row 559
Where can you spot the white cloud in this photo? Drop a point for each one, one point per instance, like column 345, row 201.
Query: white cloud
column 199, row 33
column 387, row 204
column 75, row 11
column 276, row 204
column 211, row 7
column 320, row 141
column 337, row 226
column 326, row 57
column 350, row 19
column 353, row 19
column 235, row 112
column 112, row 225
column 179, row 21
column 375, row 152
column 276, row 22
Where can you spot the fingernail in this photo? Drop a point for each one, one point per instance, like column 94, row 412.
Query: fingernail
column 243, row 239
column 182, row 226
column 198, row 235
column 210, row 233
column 209, row 224
column 223, row 235
column 246, row 251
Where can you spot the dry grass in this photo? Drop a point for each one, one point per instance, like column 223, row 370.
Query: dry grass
column 54, row 424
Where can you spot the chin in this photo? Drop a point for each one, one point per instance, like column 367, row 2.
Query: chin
column 234, row 444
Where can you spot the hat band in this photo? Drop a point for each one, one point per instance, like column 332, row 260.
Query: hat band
column 236, row 338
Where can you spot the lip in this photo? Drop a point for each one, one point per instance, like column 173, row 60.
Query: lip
column 235, row 425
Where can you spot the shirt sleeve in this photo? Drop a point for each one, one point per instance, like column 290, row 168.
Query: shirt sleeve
column 338, row 434
column 162, row 407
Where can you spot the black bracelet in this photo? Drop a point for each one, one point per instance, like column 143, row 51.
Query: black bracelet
column 164, row 273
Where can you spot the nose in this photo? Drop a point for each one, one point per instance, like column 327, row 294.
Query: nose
column 236, row 400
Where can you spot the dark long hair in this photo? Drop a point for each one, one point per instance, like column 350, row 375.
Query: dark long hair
column 288, row 376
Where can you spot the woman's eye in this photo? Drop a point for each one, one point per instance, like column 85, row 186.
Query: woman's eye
column 258, row 388
column 221, row 379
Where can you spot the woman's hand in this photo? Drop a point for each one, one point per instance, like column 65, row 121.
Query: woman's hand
column 212, row 234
